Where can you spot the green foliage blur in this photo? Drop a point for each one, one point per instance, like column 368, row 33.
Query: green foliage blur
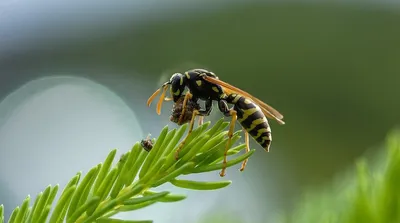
column 369, row 195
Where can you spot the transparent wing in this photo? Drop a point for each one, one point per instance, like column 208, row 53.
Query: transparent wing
column 268, row 111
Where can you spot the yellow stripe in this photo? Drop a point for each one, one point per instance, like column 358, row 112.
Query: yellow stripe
column 187, row 75
column 215, row 89
column 260, row 132
column 247, row 101
column 247, row 113
column 181, row 81
column 198, row 83
column 265, row 138
column 255, row 123
column 177, row 92
column 237, row 97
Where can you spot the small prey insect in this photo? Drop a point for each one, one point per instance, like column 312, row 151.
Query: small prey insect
column 181, row 117
column 147, row 143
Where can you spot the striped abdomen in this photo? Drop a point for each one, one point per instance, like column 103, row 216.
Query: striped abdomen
column 252, row 119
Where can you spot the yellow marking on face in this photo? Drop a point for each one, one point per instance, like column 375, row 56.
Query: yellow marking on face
column 247, row 113
column 181, row 81
column 177, row 92
column 215, row 89
column 187, row 75
column 247, row 101
column 199, row 82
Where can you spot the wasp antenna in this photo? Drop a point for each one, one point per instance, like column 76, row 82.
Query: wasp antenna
column 151, row 98
column 160, row 101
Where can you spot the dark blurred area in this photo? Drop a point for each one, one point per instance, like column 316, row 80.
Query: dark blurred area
column 331, row 69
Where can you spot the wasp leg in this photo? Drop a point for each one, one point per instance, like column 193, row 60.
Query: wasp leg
column 232, row 113
column 246, row 136
column 187, row 97
column 195, row 113
column 169, row 98
column 201, row 120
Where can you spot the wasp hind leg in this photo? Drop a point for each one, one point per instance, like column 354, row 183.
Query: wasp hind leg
column 232, row 113
column 195, row 113
column 246, row 135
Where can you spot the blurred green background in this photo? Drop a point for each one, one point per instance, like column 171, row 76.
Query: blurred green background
column 331, row 69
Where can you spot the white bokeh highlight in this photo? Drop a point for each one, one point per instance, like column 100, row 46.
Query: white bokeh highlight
column 51, row 128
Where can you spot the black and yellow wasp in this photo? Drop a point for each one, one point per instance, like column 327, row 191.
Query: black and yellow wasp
column 250, row 111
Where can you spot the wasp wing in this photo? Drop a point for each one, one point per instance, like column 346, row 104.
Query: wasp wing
column 268, row 111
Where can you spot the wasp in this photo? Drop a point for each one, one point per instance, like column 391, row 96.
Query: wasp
column 251, row 112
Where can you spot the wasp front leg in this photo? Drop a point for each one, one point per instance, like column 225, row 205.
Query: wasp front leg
column 201, row 120
column 195, row 113
column 188, row 96
column 223, row 106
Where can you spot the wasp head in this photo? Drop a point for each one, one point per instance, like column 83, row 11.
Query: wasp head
column 177, row 83
column 177, row 86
